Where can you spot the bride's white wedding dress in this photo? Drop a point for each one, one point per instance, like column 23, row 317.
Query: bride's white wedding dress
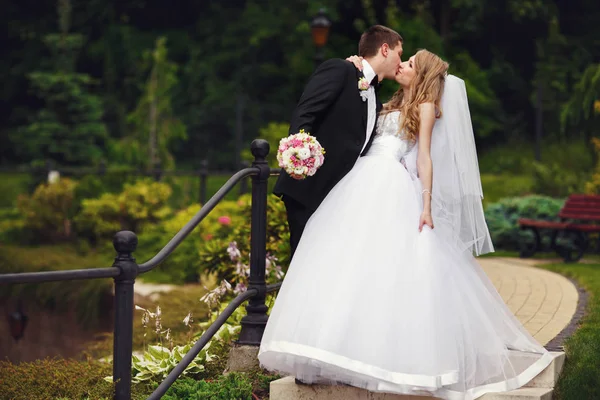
column 372, row 302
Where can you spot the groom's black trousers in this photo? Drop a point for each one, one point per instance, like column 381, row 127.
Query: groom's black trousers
column 297, row 215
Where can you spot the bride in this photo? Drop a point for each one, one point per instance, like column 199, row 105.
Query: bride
column 383, row 291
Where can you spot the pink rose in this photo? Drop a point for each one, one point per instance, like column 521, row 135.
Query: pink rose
column 224, row 220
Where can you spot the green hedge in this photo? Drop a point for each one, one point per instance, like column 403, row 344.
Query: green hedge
column 87, row 297
column 502, row 218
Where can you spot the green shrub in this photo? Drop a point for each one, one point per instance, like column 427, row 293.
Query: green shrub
column 233, row 386
column 498, row 187
column 204, row 250
column 515, row 157
column 593, row 186
column 216, row 259
column 137, row 205
column 12, row 185
column 49, row 211
column 502, row 218
column 272, row 133
column 12, row 227
column 185, row 264
column 555, row 180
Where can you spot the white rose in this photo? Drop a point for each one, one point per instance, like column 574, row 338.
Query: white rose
column 299, row 171
column 303, row 154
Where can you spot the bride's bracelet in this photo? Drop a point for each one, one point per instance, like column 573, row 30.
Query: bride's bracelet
column 426, row 191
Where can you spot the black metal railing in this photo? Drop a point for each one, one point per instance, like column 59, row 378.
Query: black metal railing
column 125, row 270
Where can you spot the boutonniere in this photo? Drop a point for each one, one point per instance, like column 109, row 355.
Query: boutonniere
column 363, row 86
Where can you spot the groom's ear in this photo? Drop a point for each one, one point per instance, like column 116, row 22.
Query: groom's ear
column 384, row 49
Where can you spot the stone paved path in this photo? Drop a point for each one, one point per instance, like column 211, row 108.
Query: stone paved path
column 543, row 301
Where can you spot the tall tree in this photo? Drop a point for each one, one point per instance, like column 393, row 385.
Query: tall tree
column 154, row 125
column 68, row 128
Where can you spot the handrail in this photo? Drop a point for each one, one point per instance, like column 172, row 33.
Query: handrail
column 51, row 276
column 200, row 215
column 125, row 270
column 199, row 345
column 204, row 339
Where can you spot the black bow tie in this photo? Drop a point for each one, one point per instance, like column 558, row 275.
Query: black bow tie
column 376, row 84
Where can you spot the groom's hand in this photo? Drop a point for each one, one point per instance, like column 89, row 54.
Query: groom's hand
column 357, row 61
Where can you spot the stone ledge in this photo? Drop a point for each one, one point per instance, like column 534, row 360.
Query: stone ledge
column 548, row 377
column 540, row 388
column 286, row 389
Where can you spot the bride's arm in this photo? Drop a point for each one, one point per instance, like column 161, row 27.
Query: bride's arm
column 424, row 164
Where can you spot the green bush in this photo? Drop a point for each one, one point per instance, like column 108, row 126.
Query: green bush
column 137, row 205
column 185, row 264
column 214, row 255
column 48, row 212
column 593, row 185
column 272, row 133
column 502, row 218
column 555, row 180
column 12, row 227
column 515, row 157
column 233, row 386
column 12, row 185
column 497, row 187
column 205, row 249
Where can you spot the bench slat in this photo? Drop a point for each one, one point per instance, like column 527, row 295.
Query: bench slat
column 525, row 222
column 579, row 216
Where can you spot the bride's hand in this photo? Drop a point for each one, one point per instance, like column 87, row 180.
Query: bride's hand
column 425, row 220
column 357, row 61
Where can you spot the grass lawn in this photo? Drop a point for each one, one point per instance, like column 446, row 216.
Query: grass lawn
column 86, row 296
column 175, row 305
column 580, row 378
column 11, row 186
column 496, row 187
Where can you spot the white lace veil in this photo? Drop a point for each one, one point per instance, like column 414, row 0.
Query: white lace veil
column 456, row 205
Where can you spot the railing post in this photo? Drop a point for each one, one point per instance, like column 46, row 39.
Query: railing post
column 253, row 324
column 125, row 243
column 203, row 179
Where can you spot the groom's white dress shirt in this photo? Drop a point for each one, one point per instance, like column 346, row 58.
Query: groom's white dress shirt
column 371, row 102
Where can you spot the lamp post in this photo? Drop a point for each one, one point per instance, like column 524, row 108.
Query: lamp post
column 319, row 28
column 17, row 321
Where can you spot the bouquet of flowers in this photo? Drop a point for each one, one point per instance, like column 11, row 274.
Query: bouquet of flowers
column 300, row 155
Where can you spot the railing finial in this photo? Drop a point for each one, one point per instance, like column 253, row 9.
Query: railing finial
column 125, row 243
column 260, row 148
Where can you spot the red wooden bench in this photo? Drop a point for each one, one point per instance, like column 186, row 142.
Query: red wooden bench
column 579, row 217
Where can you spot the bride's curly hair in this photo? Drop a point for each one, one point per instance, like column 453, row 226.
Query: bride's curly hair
column 426, row 87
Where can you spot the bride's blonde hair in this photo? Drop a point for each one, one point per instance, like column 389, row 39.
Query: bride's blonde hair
column 426, row 87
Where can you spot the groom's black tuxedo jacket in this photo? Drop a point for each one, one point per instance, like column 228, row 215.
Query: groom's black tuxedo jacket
column 332, row 110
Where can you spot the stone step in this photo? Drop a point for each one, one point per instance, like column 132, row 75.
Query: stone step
column 548, row 377
column 286, row 389
column 540, row 388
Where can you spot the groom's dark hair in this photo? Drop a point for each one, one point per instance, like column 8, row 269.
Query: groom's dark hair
column 374, row 37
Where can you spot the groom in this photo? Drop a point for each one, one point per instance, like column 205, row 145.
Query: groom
column 333, row 110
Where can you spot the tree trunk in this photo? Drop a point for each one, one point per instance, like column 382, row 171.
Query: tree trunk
column 152, row 137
